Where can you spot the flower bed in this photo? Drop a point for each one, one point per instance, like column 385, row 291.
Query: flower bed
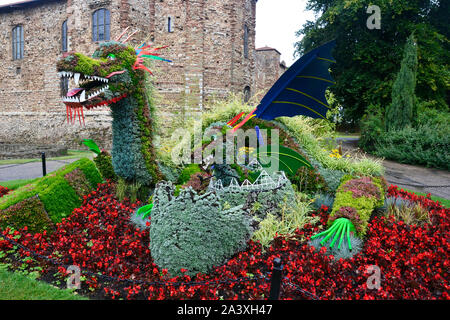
column 98, row 237
column 3, row 191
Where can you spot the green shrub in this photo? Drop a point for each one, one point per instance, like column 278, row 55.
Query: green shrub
column 372, row 126
column 432, row 117
column 59, row 198
column 87, row 166
column 194, row 232
column 425, row 145
column 403, row 109
column 30, row 213
column 60, row 192
column 187, row 172
column 309, row 181
column 103, row 161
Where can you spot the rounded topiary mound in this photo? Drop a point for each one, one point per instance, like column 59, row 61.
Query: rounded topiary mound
column 193, row 231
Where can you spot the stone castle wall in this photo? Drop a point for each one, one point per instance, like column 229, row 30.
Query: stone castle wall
column 268, row 69
column 206, row 45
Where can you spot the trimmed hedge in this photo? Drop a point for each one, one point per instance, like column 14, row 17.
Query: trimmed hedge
column 29, row 212
column 46, row 201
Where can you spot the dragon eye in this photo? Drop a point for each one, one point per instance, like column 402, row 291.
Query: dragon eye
column 111, row 56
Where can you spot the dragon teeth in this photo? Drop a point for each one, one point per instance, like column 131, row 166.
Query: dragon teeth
column 76, row 78
column 83, row 96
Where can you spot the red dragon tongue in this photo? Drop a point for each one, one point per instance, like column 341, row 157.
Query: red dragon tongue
column 73, row 92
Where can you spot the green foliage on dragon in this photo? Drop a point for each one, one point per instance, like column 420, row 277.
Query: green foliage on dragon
column 115, row 76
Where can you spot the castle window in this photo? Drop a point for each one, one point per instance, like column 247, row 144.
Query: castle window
column 246, row 94
column 169, row 24
column 64, row 37
column 101, row 25
column 246, row 32
column 17, row 43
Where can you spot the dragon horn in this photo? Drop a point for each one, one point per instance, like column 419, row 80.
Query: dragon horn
column 126, row 40
column 121, row 35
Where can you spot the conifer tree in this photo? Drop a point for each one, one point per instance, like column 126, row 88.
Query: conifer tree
column 402, row 110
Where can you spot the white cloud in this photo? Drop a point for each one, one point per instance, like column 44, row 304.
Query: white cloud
column 276, row 24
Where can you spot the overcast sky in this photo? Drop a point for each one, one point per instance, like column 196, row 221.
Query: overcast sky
column 276, row 24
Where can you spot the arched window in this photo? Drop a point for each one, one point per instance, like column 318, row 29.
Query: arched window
column 246, row 32
column 101, row 25
column 246, row 94
column 17, row 43
column 64, row 37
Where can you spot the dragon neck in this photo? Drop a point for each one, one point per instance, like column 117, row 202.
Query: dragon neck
column 133, row 155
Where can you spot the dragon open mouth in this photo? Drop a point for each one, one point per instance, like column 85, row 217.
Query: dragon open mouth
column 90, row 87
column 89, row 93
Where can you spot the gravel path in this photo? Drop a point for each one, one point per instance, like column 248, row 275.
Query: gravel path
column 417, row 178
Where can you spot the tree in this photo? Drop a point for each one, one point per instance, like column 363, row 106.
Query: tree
column 403, row 109
column 368, row 60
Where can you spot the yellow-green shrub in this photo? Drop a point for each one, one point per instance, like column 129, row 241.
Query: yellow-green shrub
column 363, row 200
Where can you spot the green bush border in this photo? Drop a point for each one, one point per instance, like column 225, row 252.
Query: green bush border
column 56, row 194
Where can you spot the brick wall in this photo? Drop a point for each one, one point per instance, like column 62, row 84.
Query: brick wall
column 206, row 47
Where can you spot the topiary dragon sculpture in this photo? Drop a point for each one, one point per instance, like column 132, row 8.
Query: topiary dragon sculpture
column 115, row 76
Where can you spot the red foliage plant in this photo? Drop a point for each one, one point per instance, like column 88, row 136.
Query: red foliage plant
column 3, row 191
column 362, row 187
column 413, row 260
column 349, row 213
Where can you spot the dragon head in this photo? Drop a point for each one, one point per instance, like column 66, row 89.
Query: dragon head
column 110, row 75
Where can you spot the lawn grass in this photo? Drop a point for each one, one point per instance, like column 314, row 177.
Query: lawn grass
column 15, row 286
column 347, row 135
column 14, row 184
column 71, row 154
column 444, row 202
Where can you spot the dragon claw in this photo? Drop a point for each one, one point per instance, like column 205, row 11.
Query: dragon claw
column 338, row 230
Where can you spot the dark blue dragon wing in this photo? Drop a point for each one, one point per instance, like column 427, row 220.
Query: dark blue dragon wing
column 301, row 89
